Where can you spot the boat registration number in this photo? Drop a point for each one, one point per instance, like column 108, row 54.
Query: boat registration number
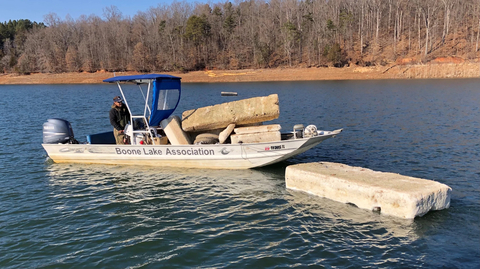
column 275, row 147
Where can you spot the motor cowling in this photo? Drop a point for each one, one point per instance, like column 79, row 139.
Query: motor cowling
column 58, row 131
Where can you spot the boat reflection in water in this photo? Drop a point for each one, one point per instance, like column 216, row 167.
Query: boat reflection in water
column 137, row 183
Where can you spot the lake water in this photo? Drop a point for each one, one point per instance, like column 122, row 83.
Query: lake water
column 86, row 216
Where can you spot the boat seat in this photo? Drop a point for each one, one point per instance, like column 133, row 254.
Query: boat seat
column 173, row 129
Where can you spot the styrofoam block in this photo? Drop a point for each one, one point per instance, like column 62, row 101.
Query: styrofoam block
column 390, row 193
column 241, row 112
column 225, row 133
column 173, row 129
column 255, row 137
column 258, row 129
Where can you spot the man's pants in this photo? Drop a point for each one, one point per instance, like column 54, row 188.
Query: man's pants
column 119, row 137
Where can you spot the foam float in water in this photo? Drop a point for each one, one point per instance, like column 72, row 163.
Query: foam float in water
column 388, row 193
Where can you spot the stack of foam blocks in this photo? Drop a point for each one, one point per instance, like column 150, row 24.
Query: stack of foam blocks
column 216, row 124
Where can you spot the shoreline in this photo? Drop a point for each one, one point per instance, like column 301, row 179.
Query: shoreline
column 426, row 71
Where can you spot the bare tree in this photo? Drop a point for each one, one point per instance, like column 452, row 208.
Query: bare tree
column 248, row 34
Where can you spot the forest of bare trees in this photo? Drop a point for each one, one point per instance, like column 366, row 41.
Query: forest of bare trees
column 248, row 34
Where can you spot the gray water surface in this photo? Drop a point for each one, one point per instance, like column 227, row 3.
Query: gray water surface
column 86, row 216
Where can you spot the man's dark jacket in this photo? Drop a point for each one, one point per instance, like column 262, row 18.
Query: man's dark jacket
column 119, row 116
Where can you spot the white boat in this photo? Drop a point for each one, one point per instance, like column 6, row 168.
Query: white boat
column 162, row 97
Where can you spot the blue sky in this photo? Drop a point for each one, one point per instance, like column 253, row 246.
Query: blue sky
column 34, row 10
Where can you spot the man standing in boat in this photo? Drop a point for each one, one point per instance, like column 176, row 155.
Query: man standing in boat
column 119, row 117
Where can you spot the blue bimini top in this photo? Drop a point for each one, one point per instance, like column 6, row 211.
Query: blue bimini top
column 134, row 78
column 165, row 94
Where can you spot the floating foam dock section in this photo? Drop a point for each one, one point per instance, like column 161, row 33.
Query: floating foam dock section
column 389, row 193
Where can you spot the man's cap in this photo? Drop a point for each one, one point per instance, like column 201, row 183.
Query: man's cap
column 117, row 99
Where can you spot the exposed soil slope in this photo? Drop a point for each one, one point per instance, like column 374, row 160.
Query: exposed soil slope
column 399, row 71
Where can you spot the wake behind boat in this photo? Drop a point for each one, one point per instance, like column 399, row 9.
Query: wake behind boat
column 225, row 136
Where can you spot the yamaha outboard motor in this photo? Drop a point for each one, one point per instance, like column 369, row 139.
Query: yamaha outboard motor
column 58, row 131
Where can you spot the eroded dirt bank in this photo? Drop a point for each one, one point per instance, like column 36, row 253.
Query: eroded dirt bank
column 446, row 70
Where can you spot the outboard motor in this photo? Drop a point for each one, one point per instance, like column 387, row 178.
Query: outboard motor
column 58, row 131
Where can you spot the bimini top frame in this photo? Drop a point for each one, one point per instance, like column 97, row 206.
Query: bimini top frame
column 166, row 91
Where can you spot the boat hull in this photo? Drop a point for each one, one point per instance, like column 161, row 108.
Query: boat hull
column 222, row 156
